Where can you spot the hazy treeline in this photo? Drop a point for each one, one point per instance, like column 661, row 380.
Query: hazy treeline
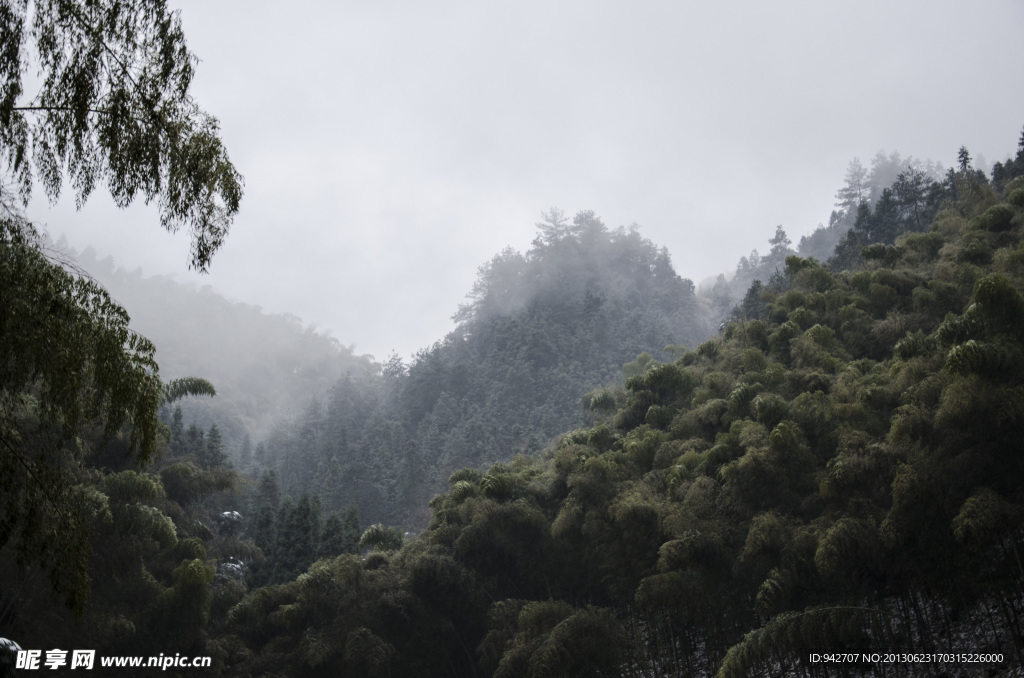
column 540, row 328
column 899, row 183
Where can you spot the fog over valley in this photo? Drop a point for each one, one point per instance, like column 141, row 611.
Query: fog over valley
column 388, row 151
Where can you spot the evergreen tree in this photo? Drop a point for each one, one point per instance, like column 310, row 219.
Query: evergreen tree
column 351, row 532
column 210, row 452
column 195, row 442
column 331, row 543
column 245, row 452
column 296, row 546
column 340, row 534
column 780, row 243
column 855, row 191
column 838, row 468
column 265, row 525
column 316, row 522
column 260, row 453
column 964, row 161
column 176, row 445
column 268, row 493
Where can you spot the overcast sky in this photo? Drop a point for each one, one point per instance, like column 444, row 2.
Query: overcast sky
column 390, row 148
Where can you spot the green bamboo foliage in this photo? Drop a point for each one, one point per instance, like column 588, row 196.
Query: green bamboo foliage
column 984, row 517
column 367, row 653
column 832, row 627
column 380, row 538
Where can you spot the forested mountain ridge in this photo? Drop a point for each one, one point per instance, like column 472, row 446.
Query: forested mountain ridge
column 837, row 471
column 539, row 330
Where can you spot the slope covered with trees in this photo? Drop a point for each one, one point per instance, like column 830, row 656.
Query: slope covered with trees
column 540, row 329
column 838, row 473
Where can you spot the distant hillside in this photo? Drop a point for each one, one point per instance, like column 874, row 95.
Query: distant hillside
column 540, row 329
column 265, row 367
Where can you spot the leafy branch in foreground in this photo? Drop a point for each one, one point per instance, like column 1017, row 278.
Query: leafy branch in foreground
column 186, row 386
column 114, row 105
